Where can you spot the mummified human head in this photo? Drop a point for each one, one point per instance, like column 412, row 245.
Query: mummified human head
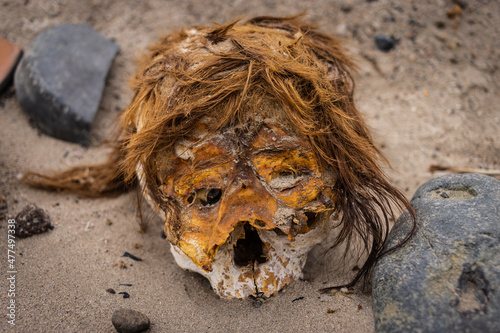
column 245, row 138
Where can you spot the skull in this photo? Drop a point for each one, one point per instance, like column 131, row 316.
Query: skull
column 253, row 203
column 251, row 199
column 246, row 140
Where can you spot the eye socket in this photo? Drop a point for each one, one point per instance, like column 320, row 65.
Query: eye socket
column 287, row 173
column 190, row 199
column 285, row 179
column 209, row 197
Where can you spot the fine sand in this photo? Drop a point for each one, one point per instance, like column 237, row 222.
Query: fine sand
column 433, row 99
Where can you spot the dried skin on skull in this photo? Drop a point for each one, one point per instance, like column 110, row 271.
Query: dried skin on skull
column 245, row 198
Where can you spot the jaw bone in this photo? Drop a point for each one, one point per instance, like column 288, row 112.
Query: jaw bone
column 268, row 264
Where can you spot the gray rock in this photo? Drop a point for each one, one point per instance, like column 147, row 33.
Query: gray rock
column 60, row 80
column 129, row 321
column 446, row 278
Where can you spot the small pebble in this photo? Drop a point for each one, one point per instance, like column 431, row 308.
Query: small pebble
column 31, row 221
column 131, row 256
column 444, row 195
column 111, row 291
column 125, row 294
column 385, row 43
column 440, row 25
column 130, row 321
column 345, row 8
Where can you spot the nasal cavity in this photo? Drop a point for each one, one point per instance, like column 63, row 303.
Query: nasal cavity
column 249, row 249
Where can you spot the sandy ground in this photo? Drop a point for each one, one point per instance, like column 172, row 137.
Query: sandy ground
column 433, row 99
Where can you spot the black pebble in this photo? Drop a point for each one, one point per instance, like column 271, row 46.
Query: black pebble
column 345, row 8
column 444, row 195
column 440, row 25
column 130, row 321
column 31, row 221
column 125, row 294
column 131, row 256
column 385, row 43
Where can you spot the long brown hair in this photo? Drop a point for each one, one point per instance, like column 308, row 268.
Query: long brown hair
column 235, row 73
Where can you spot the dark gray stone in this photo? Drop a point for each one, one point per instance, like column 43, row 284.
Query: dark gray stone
column 31, row 221
column 385, row 43
column 447, row 277
column 129, row 321
column 346, row 8
column 60, row 80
